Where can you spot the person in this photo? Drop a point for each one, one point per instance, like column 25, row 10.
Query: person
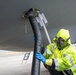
column 64, row 62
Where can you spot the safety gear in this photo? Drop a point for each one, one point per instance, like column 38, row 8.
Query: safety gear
column 66, row 58
column 63, row 33
column 40, row 57
column 61, row 43
column 48, row 62
column 62, row 39
column 48, row 51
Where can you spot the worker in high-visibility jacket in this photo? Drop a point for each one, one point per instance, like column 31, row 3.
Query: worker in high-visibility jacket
column 65, row 59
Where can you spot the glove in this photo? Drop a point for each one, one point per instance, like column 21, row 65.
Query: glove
column 40, row 57
column 49, row 62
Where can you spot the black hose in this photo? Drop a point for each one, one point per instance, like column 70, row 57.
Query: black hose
column 38, row 38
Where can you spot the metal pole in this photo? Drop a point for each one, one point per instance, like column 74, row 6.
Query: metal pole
column 42, row 20
column 48, row 37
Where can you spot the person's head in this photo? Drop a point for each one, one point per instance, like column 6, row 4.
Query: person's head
column 62, row 39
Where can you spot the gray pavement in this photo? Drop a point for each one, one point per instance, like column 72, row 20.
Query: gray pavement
column 11, row 65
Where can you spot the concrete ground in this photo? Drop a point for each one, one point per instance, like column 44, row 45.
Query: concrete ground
column 11, row 65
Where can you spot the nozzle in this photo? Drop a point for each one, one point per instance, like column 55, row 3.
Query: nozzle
column 32, row 12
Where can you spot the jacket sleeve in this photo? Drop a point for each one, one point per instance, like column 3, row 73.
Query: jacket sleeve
column 48, row 51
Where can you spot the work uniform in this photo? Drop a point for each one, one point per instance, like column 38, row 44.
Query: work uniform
column 65, row 60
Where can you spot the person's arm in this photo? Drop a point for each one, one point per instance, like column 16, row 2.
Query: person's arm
column 48, row 51
column 59, row 64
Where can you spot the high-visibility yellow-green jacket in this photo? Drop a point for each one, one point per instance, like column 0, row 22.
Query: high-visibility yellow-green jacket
column 65, row 58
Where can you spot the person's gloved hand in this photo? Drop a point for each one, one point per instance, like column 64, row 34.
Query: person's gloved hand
column 40, row 57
